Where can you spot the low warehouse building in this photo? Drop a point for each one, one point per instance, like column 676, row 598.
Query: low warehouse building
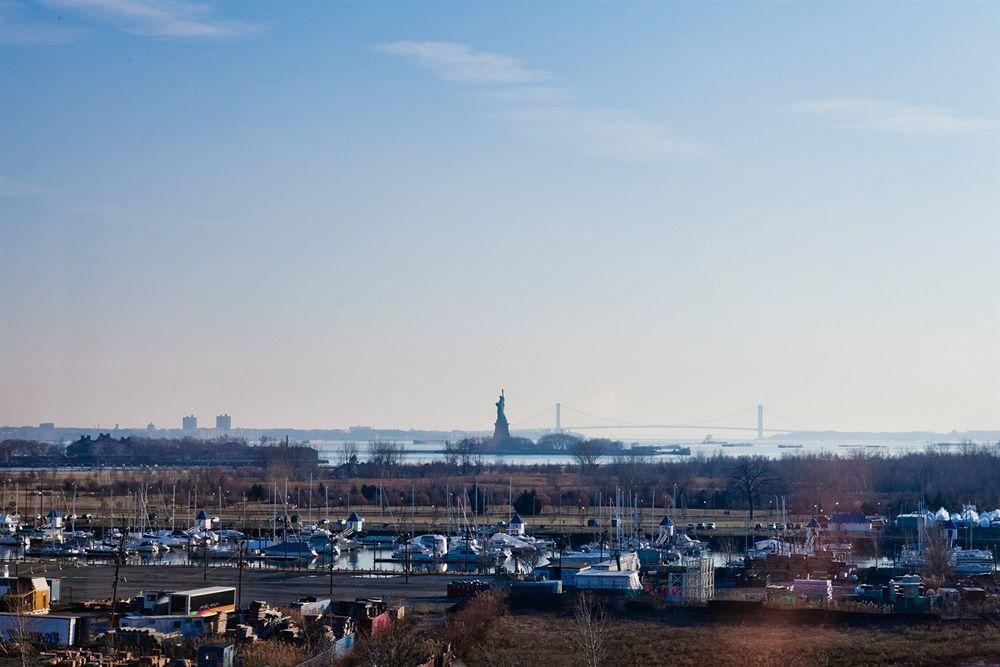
column 621, row 580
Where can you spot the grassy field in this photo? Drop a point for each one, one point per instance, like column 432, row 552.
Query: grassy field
column 544, row 640
column 107, row 508
column 422, row 519
column 36, row 492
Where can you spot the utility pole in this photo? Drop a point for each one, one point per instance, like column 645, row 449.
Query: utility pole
column 413, row 530
column 406, row 565
column 114, row 584
column 330, row 556
column 467, row 538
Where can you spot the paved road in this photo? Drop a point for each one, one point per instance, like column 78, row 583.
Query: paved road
column 276, row 587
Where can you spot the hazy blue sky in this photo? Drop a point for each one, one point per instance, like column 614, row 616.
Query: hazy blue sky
column 328, row 214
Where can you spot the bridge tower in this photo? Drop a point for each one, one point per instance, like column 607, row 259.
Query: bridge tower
column 558, row 417
column 760, row 422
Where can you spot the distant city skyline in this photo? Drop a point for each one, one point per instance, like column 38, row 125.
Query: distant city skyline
column 312, row 215
column 733, row 427
column 49, row 431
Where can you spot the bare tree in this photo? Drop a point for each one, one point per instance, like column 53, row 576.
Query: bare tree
column 588, row 453
column 19, row 638
column 348, row 455
column 397, row 646
column 752, row 476
column 937, row 556
column 727, row 549
column 590, row 633
column 451, row 453
column 466, row 452
column 385, row 455
column 876, row 541
column 629, row 464
column 467, row 630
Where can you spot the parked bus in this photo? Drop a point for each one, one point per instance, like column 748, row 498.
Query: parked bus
column 203, row 601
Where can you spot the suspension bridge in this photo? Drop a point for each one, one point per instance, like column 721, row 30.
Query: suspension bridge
column 710, row 424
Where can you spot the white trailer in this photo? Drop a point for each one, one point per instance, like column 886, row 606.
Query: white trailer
column 621, row 580
column 47, row 629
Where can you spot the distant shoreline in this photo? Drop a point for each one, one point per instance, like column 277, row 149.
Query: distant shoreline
column 420, row 436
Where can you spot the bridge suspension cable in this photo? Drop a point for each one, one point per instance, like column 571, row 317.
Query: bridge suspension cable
column 539, row 414
column 695, row 424
column 786, row 419
column 701, row 424
column 609, row 419
column 713, row 419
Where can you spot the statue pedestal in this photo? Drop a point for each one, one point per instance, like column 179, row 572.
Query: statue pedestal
column 500, row 431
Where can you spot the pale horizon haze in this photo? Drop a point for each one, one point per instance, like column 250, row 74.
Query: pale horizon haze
column 330, row 214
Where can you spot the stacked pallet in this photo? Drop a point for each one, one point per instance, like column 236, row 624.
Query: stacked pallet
column 785, row 567
column 90, row 658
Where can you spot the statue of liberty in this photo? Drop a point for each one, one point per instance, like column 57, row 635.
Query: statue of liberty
column 501, row 431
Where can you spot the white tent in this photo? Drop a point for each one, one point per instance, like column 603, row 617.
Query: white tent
column 969, row 514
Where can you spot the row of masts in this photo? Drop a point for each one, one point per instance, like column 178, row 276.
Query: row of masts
column 141, row 504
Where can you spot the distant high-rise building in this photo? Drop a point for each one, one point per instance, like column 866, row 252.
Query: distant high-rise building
column 223, row 423
column 190, row 423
